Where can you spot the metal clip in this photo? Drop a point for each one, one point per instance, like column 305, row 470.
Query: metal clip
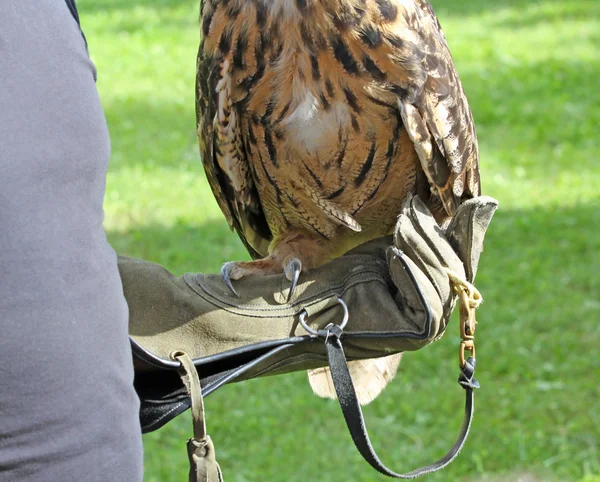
column 469, row 300
column 468, row 323
column 465, row 345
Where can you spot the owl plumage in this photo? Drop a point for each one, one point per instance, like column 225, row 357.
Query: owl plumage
column 316, row 118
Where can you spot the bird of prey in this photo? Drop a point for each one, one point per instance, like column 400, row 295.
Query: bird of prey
column 316, row 118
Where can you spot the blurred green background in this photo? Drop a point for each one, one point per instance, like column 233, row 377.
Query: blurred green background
column 531, row 71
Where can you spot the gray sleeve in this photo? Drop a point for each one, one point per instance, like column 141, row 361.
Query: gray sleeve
column 68, row 410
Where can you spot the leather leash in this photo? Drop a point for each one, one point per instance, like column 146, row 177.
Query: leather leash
column 356, row 422
column 469, row 299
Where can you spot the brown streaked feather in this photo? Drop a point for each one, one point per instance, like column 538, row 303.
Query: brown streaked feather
column 386, row 52
column 222, row 149
column 435, row 111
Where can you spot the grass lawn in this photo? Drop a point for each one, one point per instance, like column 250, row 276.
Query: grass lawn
column 531, row 70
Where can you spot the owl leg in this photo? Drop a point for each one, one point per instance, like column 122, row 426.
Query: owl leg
column 290, row 253
column 291, row 266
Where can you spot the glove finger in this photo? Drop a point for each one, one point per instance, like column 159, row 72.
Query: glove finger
column 409, row 300
column 466, row 231
column 418, row 235
column 408, row 240
column 427, row 227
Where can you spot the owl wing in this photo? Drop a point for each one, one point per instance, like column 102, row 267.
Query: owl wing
column 433, row 105
column 223, row 153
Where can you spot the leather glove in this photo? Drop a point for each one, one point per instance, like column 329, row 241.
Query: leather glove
column 396, row 296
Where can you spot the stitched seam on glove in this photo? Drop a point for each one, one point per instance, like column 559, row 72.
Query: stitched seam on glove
column 283, row 311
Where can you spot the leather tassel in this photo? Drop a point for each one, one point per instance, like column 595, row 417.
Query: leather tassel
column 203, row 463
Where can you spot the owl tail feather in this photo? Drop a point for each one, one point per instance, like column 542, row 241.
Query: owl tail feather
column 370, row 377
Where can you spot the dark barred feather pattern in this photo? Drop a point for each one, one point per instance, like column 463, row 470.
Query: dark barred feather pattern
column 323, row 114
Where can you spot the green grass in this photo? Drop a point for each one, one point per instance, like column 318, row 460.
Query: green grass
column 531, row 71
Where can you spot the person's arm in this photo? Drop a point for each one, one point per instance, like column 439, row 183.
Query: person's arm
column 68, row 408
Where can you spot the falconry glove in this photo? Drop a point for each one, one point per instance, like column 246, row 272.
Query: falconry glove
column 390, row 295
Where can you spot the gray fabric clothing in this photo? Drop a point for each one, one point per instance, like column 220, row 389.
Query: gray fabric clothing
column 68, row 410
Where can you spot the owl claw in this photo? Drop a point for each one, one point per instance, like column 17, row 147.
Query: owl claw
column 232, row 271
column 292, row 272
column 225, row 272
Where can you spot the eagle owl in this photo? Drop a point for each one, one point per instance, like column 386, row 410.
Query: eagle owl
column 316, row 118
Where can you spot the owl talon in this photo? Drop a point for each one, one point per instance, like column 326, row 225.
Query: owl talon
column 225, row 272
column 292, row 273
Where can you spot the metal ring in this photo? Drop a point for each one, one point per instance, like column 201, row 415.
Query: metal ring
column 341, row 326
column 305, row 326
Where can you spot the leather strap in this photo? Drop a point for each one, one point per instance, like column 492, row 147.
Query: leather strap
column 201, row 451
column 189, row 377
column 356, row 422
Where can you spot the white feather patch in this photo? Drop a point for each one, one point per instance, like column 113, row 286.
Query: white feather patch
column 311, row 126
column 284, row 8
